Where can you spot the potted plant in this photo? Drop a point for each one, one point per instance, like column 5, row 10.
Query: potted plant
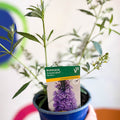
column 79, row 54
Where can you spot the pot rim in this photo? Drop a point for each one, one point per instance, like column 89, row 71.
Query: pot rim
column 62, row 113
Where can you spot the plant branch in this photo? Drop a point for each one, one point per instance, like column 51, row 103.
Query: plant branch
column 93, row 28
column 21, row 64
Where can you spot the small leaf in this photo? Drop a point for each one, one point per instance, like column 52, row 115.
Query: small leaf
column 111, row 19
column 6, row 29
column 40, row 37
column 29, row 36
column 89, row 1
column 1, row 37
column 88, row 66
column 115, row 25
column 115, row 31
column 110, row 31
column 74, row 39
column 98, row 47
column 21, row 89
column 50, row 35
column 109, row 10
column 42, row 102
column 59, row 37
column 83, row 91
column 85, row 69
column 17, row 43
column 3, row 55
column 87, row 12
column 9, row 36
column 25, row 73
column 102, row 25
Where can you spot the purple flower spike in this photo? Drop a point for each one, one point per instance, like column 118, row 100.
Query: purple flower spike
column 64, row 98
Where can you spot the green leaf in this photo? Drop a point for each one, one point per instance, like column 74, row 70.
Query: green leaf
column 9, row 36
column 7, row 30
column 101, row 25
column 87, row 12
column 115, row 25
column 40, row 37
column 59, row 37
column 115, row 31
column 110, row 31
column 3, row 55
column 74, row 39
column 33, row 14
column 42, row 102
column 21, row 89
column 17, row 43
column 98, row 47
column 111, row 19
column 83, row 91
column 1, row 37
column 85, row 69
column 29, row 36
column 109, row 10
column 50, row 35
column 25, row 73
column 89, row 1
column 88, row 66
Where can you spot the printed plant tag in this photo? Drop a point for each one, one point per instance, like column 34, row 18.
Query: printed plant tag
column 63, row 88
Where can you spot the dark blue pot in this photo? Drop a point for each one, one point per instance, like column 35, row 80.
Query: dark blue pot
column 77, row 114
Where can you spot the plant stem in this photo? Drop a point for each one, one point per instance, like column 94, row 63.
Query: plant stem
column 88, row 73
column 44, row 34
column 93, row 28
column 45, row 47
column 22, row 65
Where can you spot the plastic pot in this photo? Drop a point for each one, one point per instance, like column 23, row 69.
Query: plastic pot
column 77, row 114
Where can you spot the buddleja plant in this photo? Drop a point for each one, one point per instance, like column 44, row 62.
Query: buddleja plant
column 86, row 49
column 82, row 51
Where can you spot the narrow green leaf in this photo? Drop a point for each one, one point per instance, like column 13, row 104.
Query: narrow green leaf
column 59, row 37
column 29, row 36
column 21, row 89
column 40, row 37
column 87, row 12
column 85, row 69
column 102, row 25
column 6, row 29
column 3, row 55
column 89, row 1
column 74, row 39
column 25, row 73
column 110, row 31
column 17, row 43
column 98, row 47
column 111, row 19
column 1, row 37
column 88, row 66
column 33, row 14
column 115, row 31
column 50, row 35
column 115, row 25
column 42, row 102
column 99, row 25
column 9, row 36
column 32, row 66
column 83, row 91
